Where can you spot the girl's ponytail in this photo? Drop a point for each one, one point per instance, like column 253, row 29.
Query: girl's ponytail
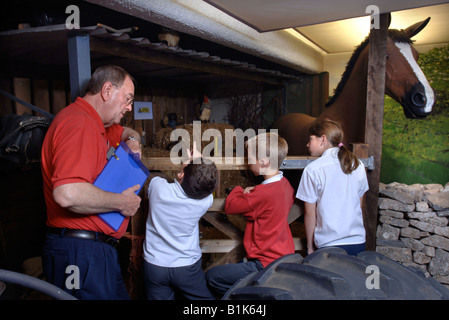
column 334, row 133
column 348, row 161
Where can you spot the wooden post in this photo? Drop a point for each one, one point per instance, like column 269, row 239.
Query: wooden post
column 7, row 104
column 41, row 94
column 374, row 122
column 22, row 91
column 58, row 97
column 361, row 151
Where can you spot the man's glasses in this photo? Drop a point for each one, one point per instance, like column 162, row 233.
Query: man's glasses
column 129, row 97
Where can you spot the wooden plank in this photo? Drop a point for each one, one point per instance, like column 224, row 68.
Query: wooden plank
column 218, row 189
column 296, row 211
column 300, row 244
column 374, row 122
column 165, row 163
column 218, row 205
column 22, row 91
column 360, row 149
column 233, row 256
column 157, row 112
column 226, row 245
column 137, row 124
column 230, row 163
column 217, row 245
column 41, row 94
column 220, row 222
column 147, row 125
column 222, row 163
column 148, row 129
column 58, row 96
column 7, row 105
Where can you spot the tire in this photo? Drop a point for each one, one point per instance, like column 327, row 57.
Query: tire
column 332, row 274
column 27, row 281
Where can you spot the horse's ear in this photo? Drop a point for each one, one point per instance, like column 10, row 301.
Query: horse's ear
column 414, row 29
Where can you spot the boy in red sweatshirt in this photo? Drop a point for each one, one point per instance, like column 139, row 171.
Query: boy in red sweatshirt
column 265, row 207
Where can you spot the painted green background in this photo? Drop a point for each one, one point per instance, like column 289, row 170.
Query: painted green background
column 417, row 151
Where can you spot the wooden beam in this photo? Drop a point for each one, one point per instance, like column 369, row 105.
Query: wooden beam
column 109, row 48
column 218, row 205
column 6, row 103
column 41, row 94
column 236, row 163
column 226, row 245
column 361, row 151
column 296, row 211
column 222, row 163
column 58, row 97
column 217, row 245
column 233, row 256
column 22, row 91
column 221, row 223
column 374, row 122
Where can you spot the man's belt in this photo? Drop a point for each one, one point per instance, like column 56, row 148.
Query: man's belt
column 84, row 234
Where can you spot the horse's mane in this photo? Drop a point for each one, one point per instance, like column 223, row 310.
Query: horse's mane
column 394, row 34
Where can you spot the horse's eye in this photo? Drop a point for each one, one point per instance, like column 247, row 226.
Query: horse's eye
column 386, row 55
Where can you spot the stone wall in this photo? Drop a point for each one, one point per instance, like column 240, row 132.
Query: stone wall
column 413, row 227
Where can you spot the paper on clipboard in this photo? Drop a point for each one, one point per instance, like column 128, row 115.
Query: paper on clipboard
column 121, row 172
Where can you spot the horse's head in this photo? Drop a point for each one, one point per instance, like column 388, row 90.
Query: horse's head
column 404, row 80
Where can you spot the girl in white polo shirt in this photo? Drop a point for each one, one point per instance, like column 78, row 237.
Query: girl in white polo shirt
column 332, row 188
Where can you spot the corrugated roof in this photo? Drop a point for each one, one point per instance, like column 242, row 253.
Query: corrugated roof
column 48, row 46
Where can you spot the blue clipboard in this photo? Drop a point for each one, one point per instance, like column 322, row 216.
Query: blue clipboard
column 122, row 171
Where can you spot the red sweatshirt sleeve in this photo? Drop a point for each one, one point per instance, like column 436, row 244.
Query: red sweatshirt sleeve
column 237, row 202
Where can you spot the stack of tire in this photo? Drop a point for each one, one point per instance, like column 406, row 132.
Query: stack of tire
column 331, row 274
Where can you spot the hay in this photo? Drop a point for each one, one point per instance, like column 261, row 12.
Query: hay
column 162, row 137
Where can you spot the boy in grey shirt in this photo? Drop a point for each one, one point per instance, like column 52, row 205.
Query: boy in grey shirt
column 172, row 255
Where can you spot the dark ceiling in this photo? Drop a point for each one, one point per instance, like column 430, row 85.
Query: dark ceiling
column 47, row 53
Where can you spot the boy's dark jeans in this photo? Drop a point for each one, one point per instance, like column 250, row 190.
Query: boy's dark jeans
column 221, row 278
column 164, row 283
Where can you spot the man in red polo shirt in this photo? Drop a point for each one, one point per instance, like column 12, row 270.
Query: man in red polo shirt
column 73, row 155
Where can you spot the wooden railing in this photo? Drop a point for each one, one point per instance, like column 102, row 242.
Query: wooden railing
column 233, row 247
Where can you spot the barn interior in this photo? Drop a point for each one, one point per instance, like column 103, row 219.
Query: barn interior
column 250, row 74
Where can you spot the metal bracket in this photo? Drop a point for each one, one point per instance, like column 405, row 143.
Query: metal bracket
column 289, row 164
column 368, row 162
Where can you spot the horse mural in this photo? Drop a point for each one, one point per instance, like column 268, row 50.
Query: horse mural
column 404, row 82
